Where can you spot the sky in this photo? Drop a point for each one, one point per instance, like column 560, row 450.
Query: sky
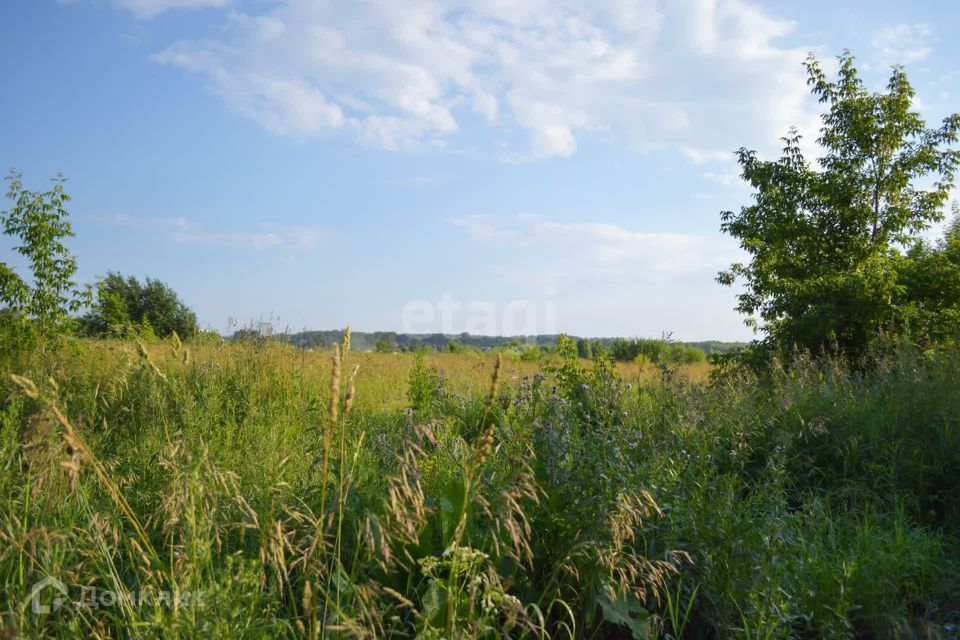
column 412, row 165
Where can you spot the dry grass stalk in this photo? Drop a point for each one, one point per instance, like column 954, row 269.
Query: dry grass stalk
column 148, row 361
column 494, row 389
column 333, row 396
column 351, row 392
column 333, row 399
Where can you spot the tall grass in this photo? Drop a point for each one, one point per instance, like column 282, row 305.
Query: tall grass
column 259, row 491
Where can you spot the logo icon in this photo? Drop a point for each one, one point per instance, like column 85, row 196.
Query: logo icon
column 60, row 598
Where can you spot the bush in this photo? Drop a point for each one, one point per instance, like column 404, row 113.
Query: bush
column 656, row 351
column 124, row 307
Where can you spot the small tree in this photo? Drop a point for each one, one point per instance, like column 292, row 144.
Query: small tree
column 584, row 348
column 931, row 279
column 39, row 220
column 824, row 242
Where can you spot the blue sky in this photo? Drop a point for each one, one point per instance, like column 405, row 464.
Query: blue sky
column 320, row 163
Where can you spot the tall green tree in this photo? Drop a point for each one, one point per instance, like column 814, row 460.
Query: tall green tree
column 826, row 240
column 40, row 222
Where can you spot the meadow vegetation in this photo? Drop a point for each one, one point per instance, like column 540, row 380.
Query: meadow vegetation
column 183, row 485
column 393, row 495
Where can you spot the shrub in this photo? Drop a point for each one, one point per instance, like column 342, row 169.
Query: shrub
column 125, row 306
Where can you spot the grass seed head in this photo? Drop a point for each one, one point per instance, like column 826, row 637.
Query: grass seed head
column 334, row 396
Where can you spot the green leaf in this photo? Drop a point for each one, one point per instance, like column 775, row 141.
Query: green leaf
column 452, row 505
column 627, row 610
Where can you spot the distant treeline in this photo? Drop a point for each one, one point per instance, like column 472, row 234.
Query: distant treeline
column 655, row 350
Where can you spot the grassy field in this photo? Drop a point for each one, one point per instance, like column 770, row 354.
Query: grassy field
column 383, row 384
column 255, row 490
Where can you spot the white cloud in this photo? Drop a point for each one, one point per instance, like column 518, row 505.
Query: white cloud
column 604, row 249
column 551, row 127
column 144, row 224
column 903, row 43
column 146, row 9
column 728, row 177
column 724, row 169
column 480, row 227
column 396, row 74
column 183, row 231
column 272, row 237
column 705, row 156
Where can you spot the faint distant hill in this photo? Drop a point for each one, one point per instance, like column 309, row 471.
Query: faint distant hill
column 368, row 341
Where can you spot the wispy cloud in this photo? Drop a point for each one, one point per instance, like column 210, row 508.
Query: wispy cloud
column 183, row 231
column 416, row 182
column 399, row 74
column 728, row 176
column 147, row 9
column 903, row 43
column 698, row 155
column 603, row 249
column 483, row 227
column 143, row 223
column 723, row 168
